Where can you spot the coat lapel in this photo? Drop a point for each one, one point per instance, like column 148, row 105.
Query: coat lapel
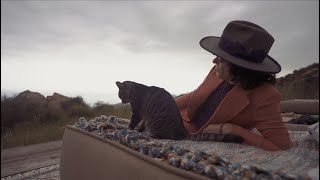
column 233, row 103
column 203, row 91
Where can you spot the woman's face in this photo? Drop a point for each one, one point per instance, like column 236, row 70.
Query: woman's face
column 223, row 68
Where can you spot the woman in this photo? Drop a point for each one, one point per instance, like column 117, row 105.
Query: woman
column 238, row 93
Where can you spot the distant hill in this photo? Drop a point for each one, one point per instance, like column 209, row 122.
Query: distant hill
column 300, row 84
column 32, row 107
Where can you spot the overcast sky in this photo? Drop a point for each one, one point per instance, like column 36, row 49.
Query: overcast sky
column 84, row 47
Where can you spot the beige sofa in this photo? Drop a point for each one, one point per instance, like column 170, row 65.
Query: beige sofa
column 86, row 156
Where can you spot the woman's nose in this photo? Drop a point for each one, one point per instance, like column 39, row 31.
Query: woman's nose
column 216, row 60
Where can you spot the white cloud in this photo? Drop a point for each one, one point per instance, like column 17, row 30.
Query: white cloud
column 86, row 46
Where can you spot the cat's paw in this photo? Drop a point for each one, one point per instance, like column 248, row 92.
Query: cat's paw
column 139, row 129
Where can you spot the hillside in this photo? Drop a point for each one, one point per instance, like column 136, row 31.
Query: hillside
column 32, row 106
column 31, row 118
column 300, row 84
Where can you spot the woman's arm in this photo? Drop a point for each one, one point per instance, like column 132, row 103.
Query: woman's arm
column 182, row 101
column 249, row 137
column 268, row 122
column 260, row 141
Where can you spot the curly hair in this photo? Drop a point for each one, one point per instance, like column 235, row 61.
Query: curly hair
column 249, row 79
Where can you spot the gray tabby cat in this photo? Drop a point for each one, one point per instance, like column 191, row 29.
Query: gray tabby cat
column 154, row 110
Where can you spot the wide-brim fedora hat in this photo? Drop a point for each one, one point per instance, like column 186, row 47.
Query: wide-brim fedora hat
column 244, row 44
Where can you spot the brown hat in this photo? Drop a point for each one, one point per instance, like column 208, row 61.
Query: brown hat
column 244, row 44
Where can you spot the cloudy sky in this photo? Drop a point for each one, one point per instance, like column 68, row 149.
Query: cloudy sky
column 84, row 47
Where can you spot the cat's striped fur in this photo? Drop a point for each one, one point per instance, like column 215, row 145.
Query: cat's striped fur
column 154, row 111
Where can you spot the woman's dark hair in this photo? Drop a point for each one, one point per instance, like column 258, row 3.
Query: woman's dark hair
column 249, row 79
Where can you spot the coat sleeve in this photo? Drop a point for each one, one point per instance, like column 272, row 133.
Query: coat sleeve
column 269, row 123
column 182, row 101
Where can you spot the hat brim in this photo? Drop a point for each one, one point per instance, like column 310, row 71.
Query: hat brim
column 268, row 65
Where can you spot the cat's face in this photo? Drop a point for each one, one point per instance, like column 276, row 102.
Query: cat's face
column 124, row 91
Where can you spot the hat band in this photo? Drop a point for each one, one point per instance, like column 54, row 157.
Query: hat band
column 238, row 50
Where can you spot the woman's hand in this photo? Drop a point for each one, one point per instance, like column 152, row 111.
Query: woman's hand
column 215, row 128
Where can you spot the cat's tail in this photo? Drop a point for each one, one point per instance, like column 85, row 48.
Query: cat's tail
column 215, row 137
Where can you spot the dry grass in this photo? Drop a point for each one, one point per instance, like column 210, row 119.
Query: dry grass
column 27, row 121
column 33, row 133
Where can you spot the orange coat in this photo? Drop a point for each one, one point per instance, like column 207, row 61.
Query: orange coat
column 257, row 108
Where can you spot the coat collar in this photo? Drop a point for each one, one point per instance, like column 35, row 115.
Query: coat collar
column 233, row 103
column 203, row 91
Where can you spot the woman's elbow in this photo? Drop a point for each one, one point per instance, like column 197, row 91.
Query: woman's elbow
column 286, row 145
column 282, row 145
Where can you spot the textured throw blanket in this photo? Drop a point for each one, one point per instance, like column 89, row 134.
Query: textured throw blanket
column 301, row 160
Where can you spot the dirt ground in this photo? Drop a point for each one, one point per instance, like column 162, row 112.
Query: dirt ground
column 38, row 160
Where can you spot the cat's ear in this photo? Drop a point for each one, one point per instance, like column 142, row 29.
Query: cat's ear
column 119, row 84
